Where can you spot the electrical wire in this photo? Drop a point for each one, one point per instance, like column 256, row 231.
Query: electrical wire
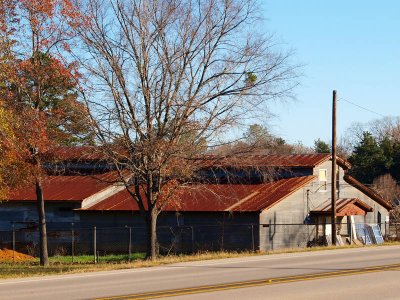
column 359, row 106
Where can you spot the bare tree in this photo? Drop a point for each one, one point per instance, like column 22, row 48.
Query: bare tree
column 386, row 127
column 168, row 79
column 387, row 186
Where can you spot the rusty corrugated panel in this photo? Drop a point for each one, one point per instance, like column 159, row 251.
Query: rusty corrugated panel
column 216, row 197
column 326, row 207
column 121, row 201
column 76, row 153
column 90, row 153
column 66, row 188
column 341, row 204
column 294, row 160
column 274, row 192
column 194, row 197
column 213, row 197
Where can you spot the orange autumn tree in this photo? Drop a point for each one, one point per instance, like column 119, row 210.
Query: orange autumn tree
column 12, row 168
column 40, row 88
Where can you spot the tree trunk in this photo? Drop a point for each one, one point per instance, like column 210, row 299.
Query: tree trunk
column 151, row 234
column 43, row 253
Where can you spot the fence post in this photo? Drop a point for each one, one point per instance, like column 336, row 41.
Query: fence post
column 365, row 233
column 94, row 245
column 130, row 244
column 192, row 239
column 386, row 233
column 72, row 242
column 351, row 234
column 13, row 242
column 223, row 235
column 252, row 237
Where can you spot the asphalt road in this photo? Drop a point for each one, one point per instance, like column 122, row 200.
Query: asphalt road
column 365, row 286
column 363, row 273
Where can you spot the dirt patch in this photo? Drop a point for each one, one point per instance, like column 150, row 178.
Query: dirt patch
column 7, row 255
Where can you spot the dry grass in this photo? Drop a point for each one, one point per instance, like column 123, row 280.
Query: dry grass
column 19, row 270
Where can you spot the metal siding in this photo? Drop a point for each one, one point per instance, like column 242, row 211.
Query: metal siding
column 24, row 215
column 290, row 211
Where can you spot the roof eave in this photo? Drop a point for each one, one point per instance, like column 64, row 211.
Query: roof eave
column 367, row 191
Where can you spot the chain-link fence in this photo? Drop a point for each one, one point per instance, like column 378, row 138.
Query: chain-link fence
column 100, row 242
column 393, row 231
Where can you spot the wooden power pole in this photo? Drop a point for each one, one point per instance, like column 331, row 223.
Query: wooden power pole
column 334, row 167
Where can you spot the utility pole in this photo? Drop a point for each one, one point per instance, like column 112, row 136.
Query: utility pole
column 334, row 167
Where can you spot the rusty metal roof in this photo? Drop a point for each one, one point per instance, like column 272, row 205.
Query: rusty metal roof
column 194, row 197
column 91, row 153
column 215, row 197
column 367, row 191
column 274, row 192
column 77, row 153
column 326, row 206
column 292, row 161
column 66, row 188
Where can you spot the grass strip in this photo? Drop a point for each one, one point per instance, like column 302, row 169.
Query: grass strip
column 63, row 264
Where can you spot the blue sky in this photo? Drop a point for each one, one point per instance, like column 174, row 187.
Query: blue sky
column 350, row 46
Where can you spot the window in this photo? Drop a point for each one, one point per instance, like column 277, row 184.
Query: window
column 322, row 180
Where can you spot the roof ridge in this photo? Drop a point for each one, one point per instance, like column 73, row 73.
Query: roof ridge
column 101, row 195
column 248, row 197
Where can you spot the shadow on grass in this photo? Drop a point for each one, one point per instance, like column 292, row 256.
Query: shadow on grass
column 89, row 259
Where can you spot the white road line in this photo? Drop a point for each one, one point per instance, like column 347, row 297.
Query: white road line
column 189, row 264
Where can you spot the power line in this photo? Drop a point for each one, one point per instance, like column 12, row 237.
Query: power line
column 359, row 106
